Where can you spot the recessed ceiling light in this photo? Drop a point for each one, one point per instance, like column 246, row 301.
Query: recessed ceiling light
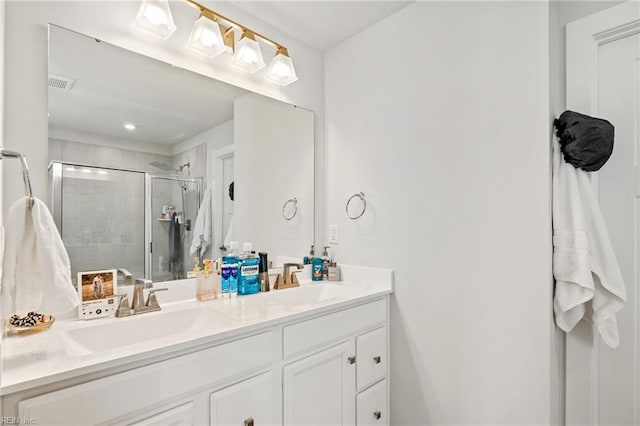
column 129, row 126
column 86, row 170
column 103, row 172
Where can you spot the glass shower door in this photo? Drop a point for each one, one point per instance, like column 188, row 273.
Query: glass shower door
column 173, row 204
column 101, row 218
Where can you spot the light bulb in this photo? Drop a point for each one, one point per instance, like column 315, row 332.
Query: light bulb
column 248, row 55
column 281, row 70
column 206, row 38
column 154, row 17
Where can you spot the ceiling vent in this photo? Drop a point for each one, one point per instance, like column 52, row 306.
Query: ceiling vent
column 60, row 82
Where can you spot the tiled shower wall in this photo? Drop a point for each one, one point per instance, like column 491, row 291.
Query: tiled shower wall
column 103, row 225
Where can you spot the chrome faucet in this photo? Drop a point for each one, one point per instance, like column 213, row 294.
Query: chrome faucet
column 138, row 304
column 128, row 276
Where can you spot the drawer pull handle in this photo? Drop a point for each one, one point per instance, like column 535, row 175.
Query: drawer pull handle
column 377, row 415
column 351, row 359
column 248, row 422
column 377, row 359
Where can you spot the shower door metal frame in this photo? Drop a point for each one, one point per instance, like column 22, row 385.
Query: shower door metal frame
column 148, row 198
column 55, row 200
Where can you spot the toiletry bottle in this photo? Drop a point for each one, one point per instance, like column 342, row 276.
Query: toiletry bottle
column 225, row 279
column 198, row 275
column 263, row 270
column 249, row 271
column 316, row 269
column 206, row 283
column 307, row 260
column 230, row 271
column 325, row 263
column 334, row 272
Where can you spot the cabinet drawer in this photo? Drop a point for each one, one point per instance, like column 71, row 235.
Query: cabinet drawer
column 249, row 403
column 323, row 331
column 180, row 415
column 371, row 406
column 371, row 357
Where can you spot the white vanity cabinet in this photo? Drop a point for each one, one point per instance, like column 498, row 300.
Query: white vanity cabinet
column 330, row 368
column 343, row 379
column 176, row 391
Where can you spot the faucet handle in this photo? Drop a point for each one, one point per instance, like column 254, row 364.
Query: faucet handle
column 124, row 309
column 152, row 300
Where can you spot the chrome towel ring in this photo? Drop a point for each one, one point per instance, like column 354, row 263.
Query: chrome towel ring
column 361, row 197
column 25, row 171
column 294, row 202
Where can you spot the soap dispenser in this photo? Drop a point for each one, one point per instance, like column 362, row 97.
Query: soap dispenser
column 325, row 263
column 307, row 260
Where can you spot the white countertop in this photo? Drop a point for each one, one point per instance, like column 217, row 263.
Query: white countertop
column 50, row 356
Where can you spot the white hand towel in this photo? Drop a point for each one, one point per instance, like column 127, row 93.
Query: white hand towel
column 37, row 273
column 588, row 278
column 202, row 229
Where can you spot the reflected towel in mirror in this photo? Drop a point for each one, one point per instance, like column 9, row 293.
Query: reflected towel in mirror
column 37, row 273
column 202, row 230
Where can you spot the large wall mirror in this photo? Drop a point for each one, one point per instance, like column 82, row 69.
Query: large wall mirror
column 136, row 143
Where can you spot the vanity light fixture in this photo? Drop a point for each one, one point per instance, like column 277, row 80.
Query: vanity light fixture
column 154, row 17
column 248, row 55
column 209, row 37
column 281, row 69
column 129, row 126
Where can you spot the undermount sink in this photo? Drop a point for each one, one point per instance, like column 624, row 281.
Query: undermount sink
column 147, row 327
column 309, row 294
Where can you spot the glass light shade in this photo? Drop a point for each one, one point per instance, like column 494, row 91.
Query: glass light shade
column 154, row 17
column 206, row 38
column 281, row 70
column 248, row 55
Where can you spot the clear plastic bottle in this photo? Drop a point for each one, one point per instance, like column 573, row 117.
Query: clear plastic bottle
column 205, row 282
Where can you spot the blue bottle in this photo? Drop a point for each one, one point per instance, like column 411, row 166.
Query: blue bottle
column 230, row 271
column 248, row 271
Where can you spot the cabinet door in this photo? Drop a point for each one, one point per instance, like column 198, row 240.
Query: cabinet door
column 247, row 403
column 371, row 406
column 320, row 389
column 371, row 351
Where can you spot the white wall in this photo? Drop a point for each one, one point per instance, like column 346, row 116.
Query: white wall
column 25, row 81
column 273, row 145
column 2, row 13
column 447, row 134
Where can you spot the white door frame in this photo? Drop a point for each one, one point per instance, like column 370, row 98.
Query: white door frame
column 582, row 345
column 217, row 158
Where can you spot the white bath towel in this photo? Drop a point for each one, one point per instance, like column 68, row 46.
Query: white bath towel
column 589, row 283
column 202, row 230
column 37, row 275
